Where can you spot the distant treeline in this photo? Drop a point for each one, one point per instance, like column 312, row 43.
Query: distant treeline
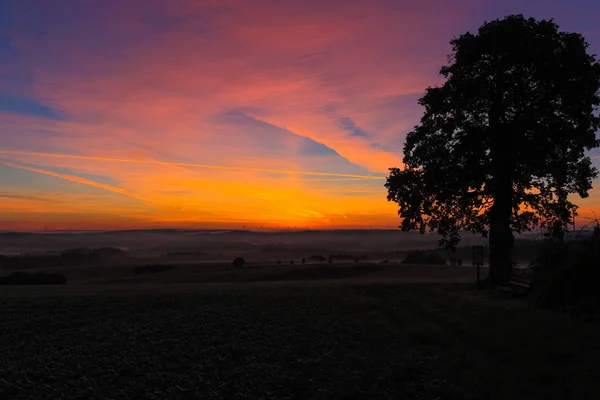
column 66, row 258
column 39, row 278
column 523, row 252
column 184, row 253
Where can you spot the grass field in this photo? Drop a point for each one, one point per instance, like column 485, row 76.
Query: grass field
column 300, row 334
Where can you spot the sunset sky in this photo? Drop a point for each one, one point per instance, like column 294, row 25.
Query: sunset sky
column 223, row 113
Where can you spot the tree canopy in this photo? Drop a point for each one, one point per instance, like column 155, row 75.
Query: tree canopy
column 501, row 145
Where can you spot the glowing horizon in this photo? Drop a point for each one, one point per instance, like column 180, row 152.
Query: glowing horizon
column 220, row 114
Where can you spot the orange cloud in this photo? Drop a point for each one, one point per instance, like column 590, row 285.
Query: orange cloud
column 326, row 91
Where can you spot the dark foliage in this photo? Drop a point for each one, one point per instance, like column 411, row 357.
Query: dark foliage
column 66, row 258
column 239, row 262
column 100, row 252
column 152, row 269
column 569, row 275
column 39, row 278
column 317, row 258
column 502, row 142
column 343, row 257
column 424, row 257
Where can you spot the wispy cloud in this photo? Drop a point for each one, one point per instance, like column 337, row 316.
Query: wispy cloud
column 11, row 196
column 190, row 165
column 350, row 126
column 76, row 179
column 188, row 110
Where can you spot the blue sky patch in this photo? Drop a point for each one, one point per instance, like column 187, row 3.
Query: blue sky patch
column 18, row 105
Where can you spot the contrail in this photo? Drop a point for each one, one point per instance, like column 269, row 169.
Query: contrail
column 191, row 165
column 78, row 180
column 370, row 178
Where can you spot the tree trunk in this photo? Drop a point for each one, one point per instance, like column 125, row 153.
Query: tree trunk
column 501, row 236
column 501, row 243
column 503, row 163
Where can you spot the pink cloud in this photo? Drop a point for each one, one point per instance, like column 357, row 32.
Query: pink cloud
column 145, row 80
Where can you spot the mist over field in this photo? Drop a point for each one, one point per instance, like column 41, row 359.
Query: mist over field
column 152, row 243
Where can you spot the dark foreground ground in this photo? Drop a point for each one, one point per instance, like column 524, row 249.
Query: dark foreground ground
column 285, row 341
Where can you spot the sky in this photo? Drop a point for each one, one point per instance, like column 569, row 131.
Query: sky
column 224, row 113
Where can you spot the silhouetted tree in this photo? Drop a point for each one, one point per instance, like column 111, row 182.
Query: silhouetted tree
column 501, row 144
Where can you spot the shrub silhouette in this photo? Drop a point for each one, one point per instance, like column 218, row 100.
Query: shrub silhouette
column 568, row 275
column 151, row 269
column 342, row 257
column 239, row 262
column 39, row 278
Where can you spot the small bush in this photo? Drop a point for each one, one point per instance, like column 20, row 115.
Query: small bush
column 239, row 262
column 39, row 278
column 317, row 258
column 151, row 269
column 342, row 257
column 424, row 257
